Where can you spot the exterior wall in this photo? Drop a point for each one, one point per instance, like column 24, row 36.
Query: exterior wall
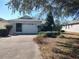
column 13, row 30
column 28, row 27
column 71, row 28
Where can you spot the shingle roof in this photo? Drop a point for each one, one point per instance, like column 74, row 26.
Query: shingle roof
column 25, row 17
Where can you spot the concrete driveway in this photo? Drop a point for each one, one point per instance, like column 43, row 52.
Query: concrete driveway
column 19, row 47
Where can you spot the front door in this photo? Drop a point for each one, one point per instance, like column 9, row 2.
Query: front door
column 18, row 27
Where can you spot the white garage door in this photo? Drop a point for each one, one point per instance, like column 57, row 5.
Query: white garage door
column 29, row 29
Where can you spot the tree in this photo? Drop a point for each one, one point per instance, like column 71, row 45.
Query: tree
column 47, row 26
column 58, row 7
column 49, row 20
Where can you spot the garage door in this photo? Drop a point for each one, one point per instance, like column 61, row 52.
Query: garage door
column 29, row 29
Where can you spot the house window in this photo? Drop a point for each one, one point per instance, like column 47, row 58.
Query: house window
column 18, row 27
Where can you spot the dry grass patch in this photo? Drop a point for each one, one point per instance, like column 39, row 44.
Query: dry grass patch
column 59, row 48
column 71, row 33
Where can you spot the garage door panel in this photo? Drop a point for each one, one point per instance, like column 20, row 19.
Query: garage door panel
column 29, row 29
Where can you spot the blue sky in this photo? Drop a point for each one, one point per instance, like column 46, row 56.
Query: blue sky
column 5, row 12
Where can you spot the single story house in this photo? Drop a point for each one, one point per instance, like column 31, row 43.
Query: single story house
column 71, row 27
column 24, row 25
column 29, row 25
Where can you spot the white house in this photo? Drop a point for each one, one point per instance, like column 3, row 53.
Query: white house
column 28, row 25
column 72, row 27
column 24, row 25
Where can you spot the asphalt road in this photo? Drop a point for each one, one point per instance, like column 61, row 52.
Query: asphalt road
column 19, row 47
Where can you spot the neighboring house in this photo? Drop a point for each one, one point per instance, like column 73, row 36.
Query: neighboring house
column 24, row 25
column 3, row 23
column 72, row 27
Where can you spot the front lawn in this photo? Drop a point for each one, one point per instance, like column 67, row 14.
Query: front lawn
column 66, row 47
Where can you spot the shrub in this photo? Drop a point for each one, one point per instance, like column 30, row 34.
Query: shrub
column 8, row 29
column 62, row 31
column 53, row 34
column 2, row 32
column 41, row 34
column 5, row 32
